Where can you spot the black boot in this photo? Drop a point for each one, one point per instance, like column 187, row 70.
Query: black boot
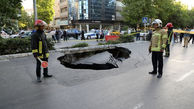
column 47, row 75
column 153, row 73
column 159, row 76
column 38, row 80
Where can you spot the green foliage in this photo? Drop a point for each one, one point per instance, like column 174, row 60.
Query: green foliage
column 18, row 45
column 166, row 10
column 25, row 20
column 50, row 44
column 9, row 10
column 134, row 10
column 80, row 45
column 12, row 46
column 45, row 10
column 126, row 38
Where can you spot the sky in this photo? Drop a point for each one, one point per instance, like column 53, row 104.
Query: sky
column 189, row 3
column 28, row 4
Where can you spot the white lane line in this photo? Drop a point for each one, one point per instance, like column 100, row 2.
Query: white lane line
column 138, row 106
column 5, row 60
column 185, row 76
column 180, row 61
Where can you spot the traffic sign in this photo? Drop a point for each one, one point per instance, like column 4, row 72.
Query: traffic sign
column 145, row 19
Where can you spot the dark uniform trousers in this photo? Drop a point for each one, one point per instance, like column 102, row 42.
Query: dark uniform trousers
column 38, row 68
column 167, row 49
column 157, row 61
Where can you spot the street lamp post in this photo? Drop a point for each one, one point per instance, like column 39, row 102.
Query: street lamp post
column 35, row 10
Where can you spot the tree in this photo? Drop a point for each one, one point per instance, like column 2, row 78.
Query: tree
column 166, row 10
column 25, row 20
column 9, row 11
column 135, row 10
column 45, row 10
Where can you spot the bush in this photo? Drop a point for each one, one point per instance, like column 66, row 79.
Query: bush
column 126, row 38
column 18, row 45
column 50, row 44
column 80, row 45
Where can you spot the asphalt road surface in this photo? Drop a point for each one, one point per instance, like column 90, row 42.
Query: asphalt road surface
column 128, row 87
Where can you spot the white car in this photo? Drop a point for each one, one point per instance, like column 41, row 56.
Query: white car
column 14, row 35
column 91, row 35
column 4, row 34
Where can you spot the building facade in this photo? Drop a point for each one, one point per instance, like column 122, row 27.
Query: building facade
column 56, row 18
column 96, row 9
column 84, row 14
column 119, row 8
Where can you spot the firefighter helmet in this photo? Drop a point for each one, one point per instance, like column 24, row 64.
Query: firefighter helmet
column 157, row 21
column 169, row 25
column 40, row 23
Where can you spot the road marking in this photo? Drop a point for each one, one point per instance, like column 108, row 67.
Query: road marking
column 185, row 76
column 5, row 60
column 138, row 106
column 180, row 61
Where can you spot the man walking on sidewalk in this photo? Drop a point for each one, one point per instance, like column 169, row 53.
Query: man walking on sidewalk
column 158, row 44
column 40, row 49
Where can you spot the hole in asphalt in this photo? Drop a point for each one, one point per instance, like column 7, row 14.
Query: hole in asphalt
column 96, row 60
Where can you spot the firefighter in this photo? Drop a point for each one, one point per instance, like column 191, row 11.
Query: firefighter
column 170, row 33
column 157, row 45
column 39, row 48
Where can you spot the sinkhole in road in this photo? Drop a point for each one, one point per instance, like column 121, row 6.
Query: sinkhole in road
column 96, row 60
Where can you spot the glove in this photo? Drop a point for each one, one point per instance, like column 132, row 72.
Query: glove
column 35, row 55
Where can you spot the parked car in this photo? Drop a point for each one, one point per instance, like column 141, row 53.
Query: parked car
column 73, row 33
column 4, row 34
column 14, row 35
column 92, row 34
column 26, row 34
column 21, row 34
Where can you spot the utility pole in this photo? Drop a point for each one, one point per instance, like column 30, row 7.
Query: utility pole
column 35, row 10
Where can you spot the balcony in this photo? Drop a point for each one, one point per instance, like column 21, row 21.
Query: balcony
column 64, row 15
column 64, row 4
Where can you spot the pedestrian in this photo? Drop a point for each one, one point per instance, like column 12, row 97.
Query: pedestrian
column 57, row 35
column 186, row 37
column 40, row 48
column 97, row 35
column 53, row 35
column 181, row 37
column 64, row 35
column 192, row 36
column 76, row 35
column 176, row 37
column 82, row 35
column 138, row 34
column 156, row 47
column 170, row 33
column 102, row 34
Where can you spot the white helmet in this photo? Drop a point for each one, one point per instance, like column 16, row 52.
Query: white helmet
column 157, row 21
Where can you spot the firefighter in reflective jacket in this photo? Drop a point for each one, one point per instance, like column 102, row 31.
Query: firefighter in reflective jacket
column 158, row 44
column 39, row 48
column 170, row 33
